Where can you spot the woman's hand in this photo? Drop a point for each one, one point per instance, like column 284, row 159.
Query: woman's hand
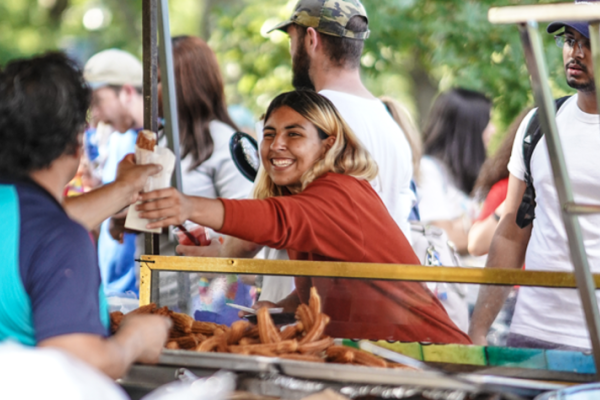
column 212, row 250
column 167, row 206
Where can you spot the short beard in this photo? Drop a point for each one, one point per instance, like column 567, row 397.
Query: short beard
column 300, row 67
column 586, row 87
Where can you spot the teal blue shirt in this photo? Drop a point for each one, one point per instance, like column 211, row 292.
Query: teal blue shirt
column 49, row 278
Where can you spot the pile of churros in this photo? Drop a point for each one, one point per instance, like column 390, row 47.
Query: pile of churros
column 303, row 341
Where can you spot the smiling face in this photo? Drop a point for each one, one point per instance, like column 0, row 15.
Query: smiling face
column 290, row 147
column 578, row 63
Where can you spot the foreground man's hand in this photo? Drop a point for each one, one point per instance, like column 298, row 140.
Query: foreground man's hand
column 93, row 207
column 152, row 332
column 133, row 177
column 140, row 338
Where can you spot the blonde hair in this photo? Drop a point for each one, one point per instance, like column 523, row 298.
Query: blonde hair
column 403, row 118
column 346, row 156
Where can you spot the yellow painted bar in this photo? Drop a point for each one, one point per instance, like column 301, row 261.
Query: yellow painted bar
column 145, row 283
column 544, row 13
column 420, row 273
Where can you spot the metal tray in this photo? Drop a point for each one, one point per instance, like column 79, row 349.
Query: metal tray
column 352, row 374
column 370, row 375
column 231, row 362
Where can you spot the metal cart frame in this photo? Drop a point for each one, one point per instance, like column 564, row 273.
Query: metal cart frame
column 156, row 26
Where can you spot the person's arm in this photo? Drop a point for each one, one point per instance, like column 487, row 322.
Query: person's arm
column 140, row 338
column 231, row 248
column 301, row 222
column 482, row 232
column 508, row 248
column 456, row 230
column 170, row 207
column 90, row 209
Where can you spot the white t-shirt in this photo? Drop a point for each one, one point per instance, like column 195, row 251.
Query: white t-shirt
column 217, row 176
column 555, row 315
column 386, row 142
column 439, row 197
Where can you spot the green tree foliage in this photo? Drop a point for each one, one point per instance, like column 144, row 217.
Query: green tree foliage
column 416, row 48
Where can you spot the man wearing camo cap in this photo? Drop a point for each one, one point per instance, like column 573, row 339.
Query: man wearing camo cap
column 327, row 40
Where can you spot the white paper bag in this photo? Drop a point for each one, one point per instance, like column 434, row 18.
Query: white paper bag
column 162, row 180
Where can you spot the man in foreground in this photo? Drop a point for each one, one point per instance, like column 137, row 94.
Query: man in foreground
column 549, row 318
column 50, row 289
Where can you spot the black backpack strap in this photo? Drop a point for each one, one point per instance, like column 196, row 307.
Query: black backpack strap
column 526, row 212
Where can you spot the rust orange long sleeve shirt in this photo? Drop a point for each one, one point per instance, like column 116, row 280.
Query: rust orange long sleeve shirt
column 340, row 218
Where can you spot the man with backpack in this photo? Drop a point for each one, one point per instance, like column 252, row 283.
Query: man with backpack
column 544, row 317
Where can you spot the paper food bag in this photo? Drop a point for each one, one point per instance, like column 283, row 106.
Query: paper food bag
column 162, row 180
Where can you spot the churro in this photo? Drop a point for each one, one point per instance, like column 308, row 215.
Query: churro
column 236, row 333
column 305, row 315
column 301, row 357
column 266, row 329
column 182, row 322
column 314, row 302
column 315, row 347
column 317, row 330
column 146, row 140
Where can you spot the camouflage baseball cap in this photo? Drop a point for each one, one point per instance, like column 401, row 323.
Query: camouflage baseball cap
column 327, row 16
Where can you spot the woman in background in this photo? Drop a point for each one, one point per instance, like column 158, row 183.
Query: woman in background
column 491, row 186
column 204, row 124
column 455, row 138
column 207, row 168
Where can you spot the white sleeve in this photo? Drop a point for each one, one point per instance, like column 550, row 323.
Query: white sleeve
column 229, row 181
column 431, row 191
column 516, row 165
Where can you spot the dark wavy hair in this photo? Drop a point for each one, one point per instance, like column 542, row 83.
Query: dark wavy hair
column 453, row 134
column 200, row 96
column 496, row 168
column 43, row 108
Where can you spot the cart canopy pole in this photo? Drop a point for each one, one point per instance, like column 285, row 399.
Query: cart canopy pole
column 169, row 95
column 171, row 125
column 534, row 55
column 150, row 62
column 527, row 17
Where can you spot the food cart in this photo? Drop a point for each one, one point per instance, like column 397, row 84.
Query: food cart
column 449, row 371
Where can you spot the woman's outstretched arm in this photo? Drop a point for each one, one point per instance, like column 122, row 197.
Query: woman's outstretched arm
column 169, row 207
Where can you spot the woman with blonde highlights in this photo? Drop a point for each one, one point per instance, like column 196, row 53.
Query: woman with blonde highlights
column 346, row 155
column 314, row 199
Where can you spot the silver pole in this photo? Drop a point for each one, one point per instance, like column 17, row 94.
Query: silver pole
column 581, row 209
column 171, row 127
column 536, row 63
column 169, row 95
column 150, row 107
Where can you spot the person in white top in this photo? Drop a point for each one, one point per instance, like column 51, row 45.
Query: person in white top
column 207, row 167
column 326, row 57
column 550, row 318
column 205, row 127
column 454, row 151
